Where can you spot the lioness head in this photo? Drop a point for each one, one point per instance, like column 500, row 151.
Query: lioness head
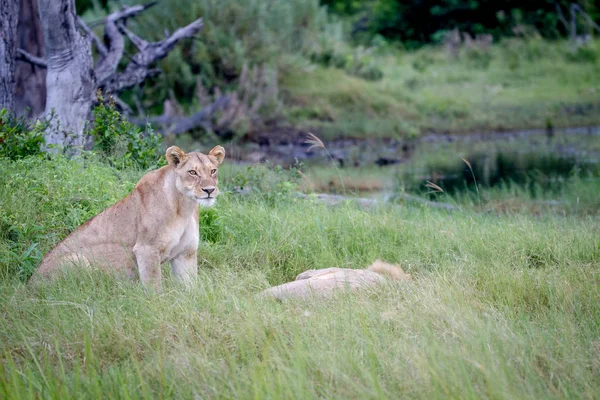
column 197, row 173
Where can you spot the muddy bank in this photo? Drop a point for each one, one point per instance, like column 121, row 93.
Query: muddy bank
column 287, row 145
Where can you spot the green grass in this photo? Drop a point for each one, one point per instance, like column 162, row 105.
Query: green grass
column 528, row 84
column 502, row 306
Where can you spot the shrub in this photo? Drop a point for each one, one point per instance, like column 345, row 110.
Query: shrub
column 357, row 62
column 235, row 33
column 479, row 58
column 122, row 144
column 422, row 61
column 19, row 138
column 241, row 34
column 583, row 54
column 254, row 102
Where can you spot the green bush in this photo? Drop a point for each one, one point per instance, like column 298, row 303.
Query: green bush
column 479, row 58
column 236, row 32
column 357, row 62
column 122, row 144
column 583, row 54
column 19, row 138
column 519, row 51
column 422, row 62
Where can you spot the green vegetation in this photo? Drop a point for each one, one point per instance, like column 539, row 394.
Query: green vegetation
column 525, row 83
column 402, row 20
column 20, row 138
column 315, row 75
column 505, row 301
column 502, row 305
column 235, row 34
column 122, row 144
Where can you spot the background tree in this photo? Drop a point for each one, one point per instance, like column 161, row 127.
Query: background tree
column 72, row 78
column 8, row 45
column 30, row 85
column 418, row 22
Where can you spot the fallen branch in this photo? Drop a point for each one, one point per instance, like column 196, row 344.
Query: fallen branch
column 176, row 125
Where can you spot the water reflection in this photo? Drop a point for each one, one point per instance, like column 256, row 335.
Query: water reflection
column 533, row 171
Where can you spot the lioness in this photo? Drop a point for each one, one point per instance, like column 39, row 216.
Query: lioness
column 326, row 282
column 157, row 222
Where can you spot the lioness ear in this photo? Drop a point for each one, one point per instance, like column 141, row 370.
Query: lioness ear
column 218, row 152
column 174, row 156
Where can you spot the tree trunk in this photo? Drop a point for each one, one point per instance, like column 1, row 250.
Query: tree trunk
column 70, row 79
column 9, row 11
column 30, row 89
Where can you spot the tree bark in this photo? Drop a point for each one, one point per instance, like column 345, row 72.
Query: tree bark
column 70, row 79
column 30, row 87
column 9, row 12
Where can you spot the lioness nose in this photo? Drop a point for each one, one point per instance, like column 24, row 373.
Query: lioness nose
column 209, row 190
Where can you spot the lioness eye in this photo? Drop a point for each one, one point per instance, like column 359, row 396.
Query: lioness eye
column 192, row 172
column 213, row 171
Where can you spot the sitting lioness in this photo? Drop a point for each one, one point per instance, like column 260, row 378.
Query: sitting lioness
column 157, row 222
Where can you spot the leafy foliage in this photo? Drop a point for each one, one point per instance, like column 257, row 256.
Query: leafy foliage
column 583, row 54
column 235, row 33
column 18, row 137
column 122, row 144
column 403, row 20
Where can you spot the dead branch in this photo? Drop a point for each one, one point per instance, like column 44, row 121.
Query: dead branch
column 561, row 17
column 22, row 55
column 176, row 125
column 587, row 17
column 124, row 107
column 102, row 50
column 571, row 26
column 139, row 67
column 108, row 65
column 137, row 41
column 573, row 33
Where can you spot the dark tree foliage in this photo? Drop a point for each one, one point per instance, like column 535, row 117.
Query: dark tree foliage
column 422, row 21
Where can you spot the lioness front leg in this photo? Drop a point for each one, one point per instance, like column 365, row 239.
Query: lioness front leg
column 185, row 266
column 148, row 263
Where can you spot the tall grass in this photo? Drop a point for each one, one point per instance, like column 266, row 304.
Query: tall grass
column 501, row 306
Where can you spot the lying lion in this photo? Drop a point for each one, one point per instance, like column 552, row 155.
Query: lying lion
column 326, row 282
column 157, row 222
